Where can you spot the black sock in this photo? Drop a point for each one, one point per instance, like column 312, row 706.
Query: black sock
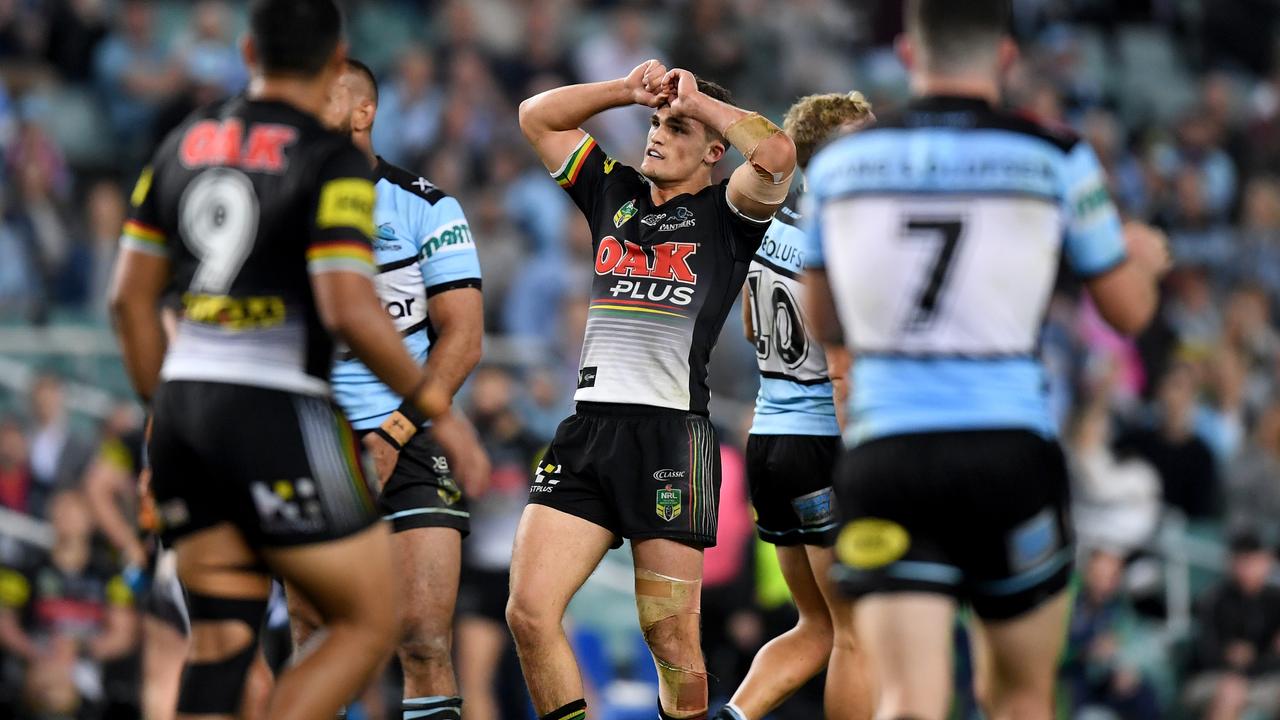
column 436, row 707
column 576, row 710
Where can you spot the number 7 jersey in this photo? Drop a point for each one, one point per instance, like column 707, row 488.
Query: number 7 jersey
column 941, row 234
column 795, row 395
column 246, row 200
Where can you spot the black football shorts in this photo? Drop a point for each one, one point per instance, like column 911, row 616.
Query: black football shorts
column 636, row 470
column 978, row 515
column 421, row 491
column 790, row 480
column 284, row 468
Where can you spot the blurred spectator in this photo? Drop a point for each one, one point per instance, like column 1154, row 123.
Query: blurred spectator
column 75, row 29
column 409, row 110
column 58, row 454
column 541, row 55
column 532, row 297
column 209, row 50
column 66, row 614
column 482, row 629
column 1191, row 310
column 1188, row 472
column 534, row 202
column 1197, row 233
column 1115, row 501
column 611, row 55
column 105, row 213
column 1253, row 480
column 15, row 466
column 1196, row 154
column 135, row 73
column 709, row 42
column 1258, row 246
column 1251, row 345
column 1238, row 638
column 1126, row 178
column 1105, row 649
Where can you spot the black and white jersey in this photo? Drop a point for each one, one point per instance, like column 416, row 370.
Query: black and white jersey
column 666, row 277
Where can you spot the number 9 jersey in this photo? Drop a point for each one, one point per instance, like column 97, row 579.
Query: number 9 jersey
column 247, row 199
column 795, row 395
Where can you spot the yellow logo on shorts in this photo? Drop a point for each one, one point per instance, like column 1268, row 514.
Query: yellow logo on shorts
column 872, row 543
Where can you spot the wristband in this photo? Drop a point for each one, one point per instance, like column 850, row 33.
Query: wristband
column 390, row 440
column 748, row 132
column 412, row 413
column 398, row 429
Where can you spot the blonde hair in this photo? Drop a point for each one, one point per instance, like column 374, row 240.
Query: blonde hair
column 814, row 119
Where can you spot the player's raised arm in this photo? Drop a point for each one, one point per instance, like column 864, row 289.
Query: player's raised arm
column 550, row 120
column 758, row 187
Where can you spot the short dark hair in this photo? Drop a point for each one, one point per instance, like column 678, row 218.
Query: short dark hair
column 294, row 36
column 363, row 70
column 950, row 29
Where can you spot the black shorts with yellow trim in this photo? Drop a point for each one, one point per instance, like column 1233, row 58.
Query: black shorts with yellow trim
column 421, row 491
column 636, row 470
column 981, row 516
column 282, row 467
column 790, row 481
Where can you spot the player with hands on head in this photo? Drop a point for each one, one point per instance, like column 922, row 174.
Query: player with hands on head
column 638, row 459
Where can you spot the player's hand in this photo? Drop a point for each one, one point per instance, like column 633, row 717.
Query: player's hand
column 1148, row 247
column 682, row 88
column 467, row 458
column 645, row 83
column 384, row 455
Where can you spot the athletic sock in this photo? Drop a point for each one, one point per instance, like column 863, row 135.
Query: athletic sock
column 576, row 710
column 729, row 711
column 436, row 707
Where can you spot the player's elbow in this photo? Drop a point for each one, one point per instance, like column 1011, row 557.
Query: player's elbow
column 530, row 123
column 1129, row 320
column 776, row 155
column 1125, row 299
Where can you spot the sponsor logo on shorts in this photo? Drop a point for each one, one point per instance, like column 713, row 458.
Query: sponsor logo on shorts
column 287, row 505
column 625, row 213
column 870, row 543
column 664, row 475
column 174, row 513
column 542, row 480
column 814, row 508
column 1033, row 542
column 669, row 503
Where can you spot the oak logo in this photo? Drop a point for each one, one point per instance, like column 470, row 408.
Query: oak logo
column 665, row 261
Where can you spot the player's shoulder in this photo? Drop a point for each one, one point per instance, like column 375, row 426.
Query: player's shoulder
column 955, row 113
column 408, row 182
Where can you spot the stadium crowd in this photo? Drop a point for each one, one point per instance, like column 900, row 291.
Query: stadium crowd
column 1174, row 438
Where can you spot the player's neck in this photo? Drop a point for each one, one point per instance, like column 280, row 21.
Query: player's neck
column 308, row 95
column 364, row 143
column 975, row 86
column 661, row 192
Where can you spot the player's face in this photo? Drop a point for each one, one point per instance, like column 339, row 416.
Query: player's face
column 337, row 114
column 677, row 147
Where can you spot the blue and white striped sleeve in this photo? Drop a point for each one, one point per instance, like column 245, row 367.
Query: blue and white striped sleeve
column 1094, row 237
column 446, row 249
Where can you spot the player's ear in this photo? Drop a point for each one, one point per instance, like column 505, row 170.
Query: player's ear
column 1008, row 54
column 715, row 151
column 362, row 118
column 906, row 51
column 248, row 51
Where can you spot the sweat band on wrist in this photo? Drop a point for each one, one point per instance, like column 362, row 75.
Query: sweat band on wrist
column 398, row 429
column 412, row 413
column 748, row 132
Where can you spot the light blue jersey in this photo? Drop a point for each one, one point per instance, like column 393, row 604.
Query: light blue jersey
column 941, row 235
column 795, row 390
column 423, row 247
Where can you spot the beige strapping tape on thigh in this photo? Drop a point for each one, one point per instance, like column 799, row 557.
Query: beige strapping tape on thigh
column 659, row 597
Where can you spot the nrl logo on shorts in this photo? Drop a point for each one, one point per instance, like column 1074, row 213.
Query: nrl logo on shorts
column 625, row 213
column 662, row 475
column 669, row 503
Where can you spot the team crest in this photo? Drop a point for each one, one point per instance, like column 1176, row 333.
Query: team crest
column 625, row 213
column 669, row 504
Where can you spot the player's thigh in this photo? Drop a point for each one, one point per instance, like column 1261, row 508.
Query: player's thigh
column 428, row 562
column 908, row 638
column 553, row 555
column 1020, row 654
column 348, row 579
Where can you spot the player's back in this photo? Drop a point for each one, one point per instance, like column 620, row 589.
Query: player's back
column 941, row 232
column 246, row 198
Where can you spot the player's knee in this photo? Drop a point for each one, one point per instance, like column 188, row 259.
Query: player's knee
column 424, row 643
column 530, row 620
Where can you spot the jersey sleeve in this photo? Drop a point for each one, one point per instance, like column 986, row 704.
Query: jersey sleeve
column 746, row 232
column 343, row 220
column 142, row 232
column 584, row 173
column 1094, row 238
column 446, row 248
column 811, row 229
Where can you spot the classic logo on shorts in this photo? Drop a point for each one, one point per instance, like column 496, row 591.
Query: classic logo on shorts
column 669, row 503
column 625, row 213
column 664, row 475
column 871, row 543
